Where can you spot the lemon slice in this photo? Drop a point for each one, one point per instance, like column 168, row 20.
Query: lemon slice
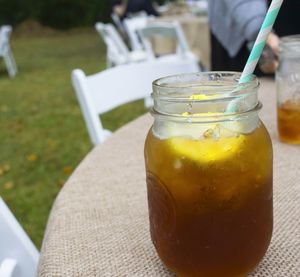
column 202, row 97
column 208, row 142
column 207, row 149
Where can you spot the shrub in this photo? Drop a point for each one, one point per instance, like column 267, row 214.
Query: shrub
column 61, row 14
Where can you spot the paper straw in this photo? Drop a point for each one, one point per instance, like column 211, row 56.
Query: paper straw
column 260, row 41
column 257, row 49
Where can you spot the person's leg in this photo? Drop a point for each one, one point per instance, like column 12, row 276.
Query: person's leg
column 219, row 56
column 238, row 62
column 221, row 61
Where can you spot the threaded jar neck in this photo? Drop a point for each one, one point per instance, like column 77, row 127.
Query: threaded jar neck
column 204, row 96
column 290, row 46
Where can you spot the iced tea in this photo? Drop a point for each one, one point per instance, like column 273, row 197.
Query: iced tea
column 288, row 115
column 210, row 201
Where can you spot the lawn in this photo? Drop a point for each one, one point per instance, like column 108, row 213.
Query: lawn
column 43, row 135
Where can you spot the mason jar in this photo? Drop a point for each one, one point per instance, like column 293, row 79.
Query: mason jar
column 209, row 175
column 288, row 90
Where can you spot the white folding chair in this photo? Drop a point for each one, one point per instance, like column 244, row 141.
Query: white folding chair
column 131, row 25
column 18, row 256
column 110, row 88
column 117, row 51
column 199, row 7
column 164, row 7
column 5, row 50
column 117, row 21
column 166, row 30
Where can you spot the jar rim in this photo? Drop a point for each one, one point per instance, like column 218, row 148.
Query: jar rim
column 204, row 94
column 196, row 118
column 221, row 82
column 290, row 39
column 289, row 46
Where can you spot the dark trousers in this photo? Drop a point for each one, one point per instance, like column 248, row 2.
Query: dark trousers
column 221, row 61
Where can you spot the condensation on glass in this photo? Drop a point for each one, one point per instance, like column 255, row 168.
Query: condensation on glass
column 288, row 90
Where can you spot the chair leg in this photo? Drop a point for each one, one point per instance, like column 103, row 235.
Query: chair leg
column 10, row 63
column 8, row 268
column 148, row 102
column 109, row 63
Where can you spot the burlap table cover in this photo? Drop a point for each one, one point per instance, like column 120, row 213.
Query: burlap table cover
column 177, row 9
column 99, row 222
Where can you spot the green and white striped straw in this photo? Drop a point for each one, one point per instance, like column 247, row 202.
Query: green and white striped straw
column 257, row 49
column 260, row 41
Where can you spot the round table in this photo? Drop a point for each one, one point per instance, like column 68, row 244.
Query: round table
column 99, row 222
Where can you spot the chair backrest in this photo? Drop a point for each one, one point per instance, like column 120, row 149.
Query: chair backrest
column 166, row 30
column 110, row 88
column 18, row 255
column 132, row 24
column 5, row 32
column 117, row 50
column 117, row 21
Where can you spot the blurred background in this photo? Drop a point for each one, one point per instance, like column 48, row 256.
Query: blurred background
column 43, row 134
column 58, row 14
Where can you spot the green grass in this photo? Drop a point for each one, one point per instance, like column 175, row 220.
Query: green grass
column 43, row 135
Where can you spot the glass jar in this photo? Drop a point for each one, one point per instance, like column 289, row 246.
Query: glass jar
column 288, row 90
column 209, row 175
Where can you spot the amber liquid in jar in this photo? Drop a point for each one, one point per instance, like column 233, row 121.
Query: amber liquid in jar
column 288, row 115
column 210, row 202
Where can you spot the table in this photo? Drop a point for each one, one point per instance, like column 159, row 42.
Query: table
column 196, row 30
column 99, row 222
